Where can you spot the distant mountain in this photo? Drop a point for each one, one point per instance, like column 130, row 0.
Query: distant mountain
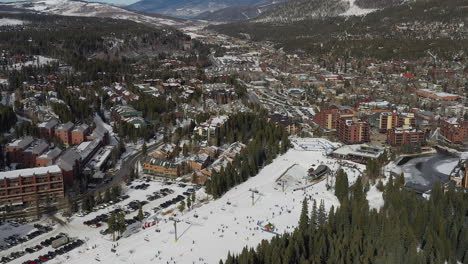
column 188, row 8
column 87, row 9
column 297, row 10
column 403, row 31
column 377, row 3
column 237, row 13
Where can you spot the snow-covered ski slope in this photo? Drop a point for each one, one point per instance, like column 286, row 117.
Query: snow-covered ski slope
column 224, row 225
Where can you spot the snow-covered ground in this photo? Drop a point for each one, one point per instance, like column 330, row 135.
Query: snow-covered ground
column 206, row 234
column 375, row 198
column 10, row 22
column 315, row 144
column 355, row 10
column 37, row 61
column 82, row 8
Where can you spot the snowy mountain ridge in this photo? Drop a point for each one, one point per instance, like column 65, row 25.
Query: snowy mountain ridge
column 239, row 13
column 90, row 9
column 298, row 10
column 189, row 8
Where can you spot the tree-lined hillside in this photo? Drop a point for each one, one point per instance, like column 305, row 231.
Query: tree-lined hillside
column 404, row 31
column 408, row 229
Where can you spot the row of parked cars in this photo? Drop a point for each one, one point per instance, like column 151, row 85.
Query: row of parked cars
column 104, row 205
column 102, row 218
column 159, row 194
column 45, row 243
column 16, row 239
column 57, row 252
column 142, row 186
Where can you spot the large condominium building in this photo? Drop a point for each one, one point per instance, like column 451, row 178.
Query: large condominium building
column 328, row 118
column 405, row 135
column 63, row 133
column 78, row 134
column 390, row 120
column 353, row 131
column 454, row 130
column 46, row 129
column 20, row 187
column 14, row 149
column 25, row 151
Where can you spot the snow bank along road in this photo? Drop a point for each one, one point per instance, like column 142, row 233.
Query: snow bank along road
column 206, row 234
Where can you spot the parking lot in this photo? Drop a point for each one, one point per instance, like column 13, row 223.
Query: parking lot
column 154, row 196
column 43, row 251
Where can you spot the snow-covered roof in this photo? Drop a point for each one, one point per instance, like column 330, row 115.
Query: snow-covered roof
column 29, row 172
column 365, row 151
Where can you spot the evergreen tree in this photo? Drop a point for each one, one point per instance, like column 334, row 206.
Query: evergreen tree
column 181, row 206
column 140, row 215
column 304, row 218
column 144, row 150
column 342, row 186
column 189, row 202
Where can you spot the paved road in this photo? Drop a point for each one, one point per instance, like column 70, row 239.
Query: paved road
column 128, row 163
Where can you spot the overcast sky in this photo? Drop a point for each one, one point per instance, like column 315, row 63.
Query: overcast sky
column 116, row 2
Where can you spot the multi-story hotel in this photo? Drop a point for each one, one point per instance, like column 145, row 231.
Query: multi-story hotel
column 328, row 118
column 390, row 120
column 454, row 130
column 20, row 187
column 353, row 131
column 404, row 135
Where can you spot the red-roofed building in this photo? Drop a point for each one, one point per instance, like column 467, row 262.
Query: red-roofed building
column 407, row 75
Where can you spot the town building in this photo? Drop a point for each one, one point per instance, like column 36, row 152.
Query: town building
column 438, row 96
column 353, row 131
column 161, row 168
column 459, row 175
column 78, row 134
column 320, row 171
column 49, row 158
column 361, row 153
column 405, row 135
column 199, row 161
column 46, row 129
column 328, row 118
column 70, row 163
column 14, row 149
column 390, row 120
column 63, row 133
column 454, row 130
column 165, row 152
column 25, row 151
column 29, row 155
column 207, row 129
column 128, row 114
column 291, row 126
column 20, row 187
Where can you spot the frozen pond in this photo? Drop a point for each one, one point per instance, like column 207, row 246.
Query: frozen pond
column 422, row 172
